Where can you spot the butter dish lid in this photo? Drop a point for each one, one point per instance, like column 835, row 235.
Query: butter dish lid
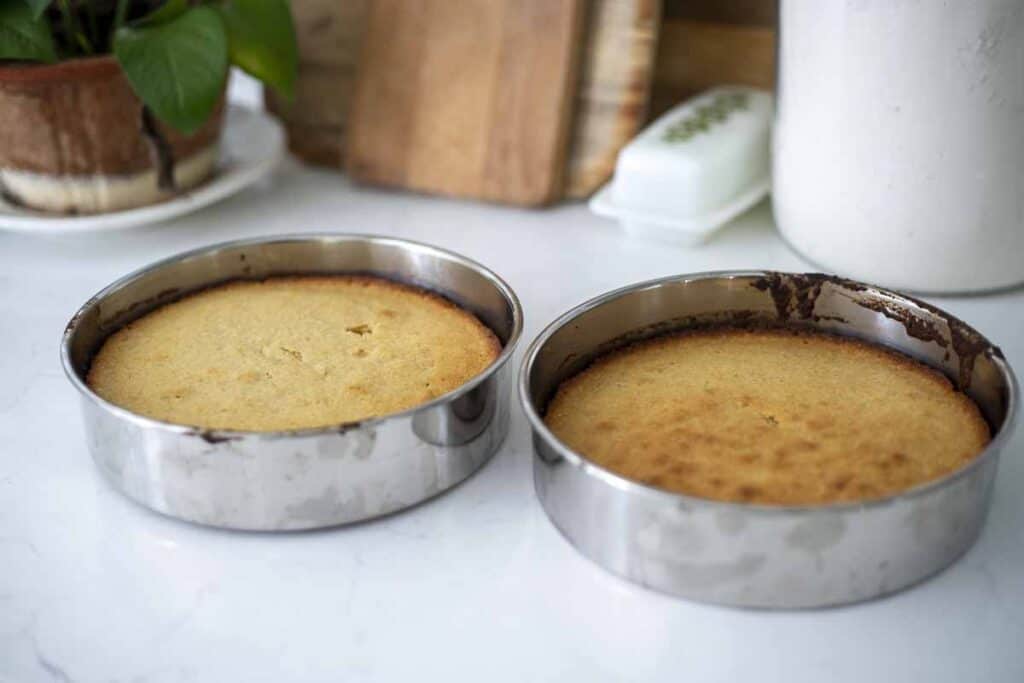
column 695, row 168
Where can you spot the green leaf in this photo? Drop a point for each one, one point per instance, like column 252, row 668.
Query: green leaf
column 178, row 68
column 261, row 39
column 23, row 36
column 172, row 9
column 38, row 7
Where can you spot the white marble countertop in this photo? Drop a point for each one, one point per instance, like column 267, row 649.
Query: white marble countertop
column 474, row 585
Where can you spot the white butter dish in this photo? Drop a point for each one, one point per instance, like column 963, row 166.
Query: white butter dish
column 694, row 169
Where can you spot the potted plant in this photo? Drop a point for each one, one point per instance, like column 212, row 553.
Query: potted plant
column 112, row 104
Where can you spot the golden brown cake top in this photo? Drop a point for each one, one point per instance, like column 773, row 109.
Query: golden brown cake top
column 292, row 353
column 767, row 416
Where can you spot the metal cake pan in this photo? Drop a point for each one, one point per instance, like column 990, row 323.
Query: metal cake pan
column 761, row 555
column 307, row 478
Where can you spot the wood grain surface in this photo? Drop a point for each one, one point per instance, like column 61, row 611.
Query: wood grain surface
column 330, row 34
column 749, row 12
column 468, row 98
column 614, row 88
column 704, row 43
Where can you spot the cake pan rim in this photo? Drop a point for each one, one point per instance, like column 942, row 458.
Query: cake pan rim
column 218, row 434
column 634, row 488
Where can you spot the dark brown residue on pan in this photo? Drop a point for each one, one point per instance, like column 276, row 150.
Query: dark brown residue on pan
column 73, row 323
column 967, row 344
column 218, row 436
column 916, row 326
column 795, row 295
column 213, row 436
column 798, row 292
column 347, row 427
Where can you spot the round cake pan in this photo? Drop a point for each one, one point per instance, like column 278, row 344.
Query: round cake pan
column 762, row 555
column 306, row 478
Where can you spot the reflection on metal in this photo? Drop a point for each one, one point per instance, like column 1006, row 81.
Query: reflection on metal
column 756, row 555
column 308, row 478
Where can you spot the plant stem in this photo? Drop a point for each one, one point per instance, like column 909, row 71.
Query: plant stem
column 94, row 32
column 65, row 15
column 160, row 151
column 73, row 29
column 119, row 14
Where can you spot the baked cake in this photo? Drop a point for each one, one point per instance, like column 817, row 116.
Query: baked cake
column 290, row 353
column 767, row 416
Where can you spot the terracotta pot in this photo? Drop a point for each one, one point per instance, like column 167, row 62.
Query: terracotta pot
column 74, row 138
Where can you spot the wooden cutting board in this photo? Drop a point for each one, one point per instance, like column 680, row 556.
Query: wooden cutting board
column 469, row 98
column 705, row 43
column 614, row 87
column 329, row 35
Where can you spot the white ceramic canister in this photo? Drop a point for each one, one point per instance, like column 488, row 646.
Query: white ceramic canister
column 899, row 140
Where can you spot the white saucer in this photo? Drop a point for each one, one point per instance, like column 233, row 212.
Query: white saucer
column 251, row 145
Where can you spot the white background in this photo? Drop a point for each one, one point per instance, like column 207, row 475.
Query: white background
column 475, row 585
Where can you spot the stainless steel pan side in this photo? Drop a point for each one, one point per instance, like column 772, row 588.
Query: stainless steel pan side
column 757, row 555
column 308, row 478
